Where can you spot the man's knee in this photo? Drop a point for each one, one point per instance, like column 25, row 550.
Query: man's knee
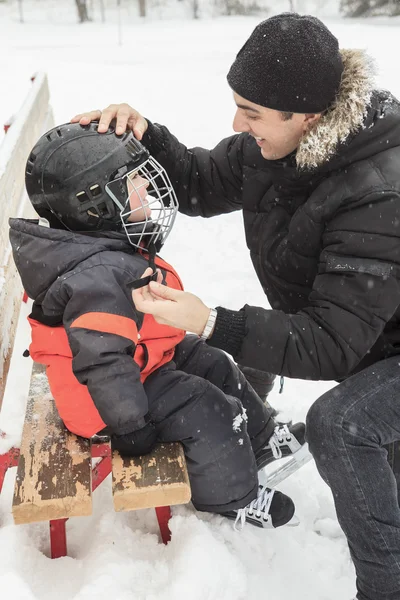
column 323, row 424
column 261, row 381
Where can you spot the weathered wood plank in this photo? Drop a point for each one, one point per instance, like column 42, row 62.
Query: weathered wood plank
column 157, row 479
column 54, row 470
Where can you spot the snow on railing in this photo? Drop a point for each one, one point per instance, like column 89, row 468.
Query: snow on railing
column 32, row 119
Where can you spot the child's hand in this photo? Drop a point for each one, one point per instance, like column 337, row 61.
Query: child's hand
column 136, row 443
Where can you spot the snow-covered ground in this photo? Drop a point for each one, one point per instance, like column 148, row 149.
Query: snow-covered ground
column 174, row 72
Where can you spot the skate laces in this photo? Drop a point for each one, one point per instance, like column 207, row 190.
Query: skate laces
column 280, row 436
column 260, row 507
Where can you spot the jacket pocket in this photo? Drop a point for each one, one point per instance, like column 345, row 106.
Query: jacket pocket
column 143, row 357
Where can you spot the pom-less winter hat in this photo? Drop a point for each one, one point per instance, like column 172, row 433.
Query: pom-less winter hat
column 289, row 63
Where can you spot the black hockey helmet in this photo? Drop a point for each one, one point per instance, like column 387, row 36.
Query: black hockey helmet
column 77, row 179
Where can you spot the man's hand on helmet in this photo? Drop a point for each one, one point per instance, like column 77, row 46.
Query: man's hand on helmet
column 126, row 116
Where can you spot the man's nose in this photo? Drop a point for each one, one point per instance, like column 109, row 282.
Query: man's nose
column 240, row 124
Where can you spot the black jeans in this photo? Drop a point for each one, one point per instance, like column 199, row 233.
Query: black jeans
column 349, row 429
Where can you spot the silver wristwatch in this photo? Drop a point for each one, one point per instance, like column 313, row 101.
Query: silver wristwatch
column 209, row 325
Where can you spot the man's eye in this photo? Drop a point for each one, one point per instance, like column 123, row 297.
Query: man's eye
column 251, row 118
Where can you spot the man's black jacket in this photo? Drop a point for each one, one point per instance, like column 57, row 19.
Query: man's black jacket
column 322, row 227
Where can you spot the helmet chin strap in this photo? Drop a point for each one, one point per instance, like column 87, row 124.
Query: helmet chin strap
column 152, row 250
column 139, row 283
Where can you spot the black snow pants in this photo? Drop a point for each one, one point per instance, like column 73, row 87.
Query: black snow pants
column 203, row 400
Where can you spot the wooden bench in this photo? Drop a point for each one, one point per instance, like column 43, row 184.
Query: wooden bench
column 55, row 478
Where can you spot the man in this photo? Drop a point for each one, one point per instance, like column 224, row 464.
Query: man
column 316, row 170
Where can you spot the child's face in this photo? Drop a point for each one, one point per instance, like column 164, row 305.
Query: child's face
column 137, row 192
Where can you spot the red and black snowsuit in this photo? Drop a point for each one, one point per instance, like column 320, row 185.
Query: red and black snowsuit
column 110, row 366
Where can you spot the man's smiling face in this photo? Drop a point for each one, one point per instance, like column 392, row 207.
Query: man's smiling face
column 275, row 136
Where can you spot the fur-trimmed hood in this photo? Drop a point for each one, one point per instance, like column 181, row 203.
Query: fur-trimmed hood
column 346, row 115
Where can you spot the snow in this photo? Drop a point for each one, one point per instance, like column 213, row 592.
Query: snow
column 239, row 420
column 173, row 70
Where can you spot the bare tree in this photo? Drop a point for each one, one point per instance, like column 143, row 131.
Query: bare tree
column 195, row 6
column 142, row 8
column 240, row 7
column 103, row 14
column 396, row 7
column 119, row 22
column 82, row 11
column 21, row 14
column 362, row 8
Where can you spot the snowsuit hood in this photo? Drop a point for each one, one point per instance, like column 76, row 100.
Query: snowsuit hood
column 42, row 254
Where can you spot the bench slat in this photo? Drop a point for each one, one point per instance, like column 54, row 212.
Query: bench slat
column 156, row 479
column 54, row 470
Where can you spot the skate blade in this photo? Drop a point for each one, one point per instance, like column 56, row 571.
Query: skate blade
column 294, row 522
column 293, row 464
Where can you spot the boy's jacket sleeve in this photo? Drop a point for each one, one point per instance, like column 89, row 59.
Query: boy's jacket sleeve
column 102, row 328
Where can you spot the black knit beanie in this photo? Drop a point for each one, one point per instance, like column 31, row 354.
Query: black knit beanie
column 290, row 63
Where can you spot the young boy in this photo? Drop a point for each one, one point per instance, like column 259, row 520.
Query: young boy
column 106, row 208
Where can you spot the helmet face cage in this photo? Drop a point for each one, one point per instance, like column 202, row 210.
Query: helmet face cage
column 148, row 190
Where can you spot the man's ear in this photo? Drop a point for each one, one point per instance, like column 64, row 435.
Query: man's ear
column 310, row 119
